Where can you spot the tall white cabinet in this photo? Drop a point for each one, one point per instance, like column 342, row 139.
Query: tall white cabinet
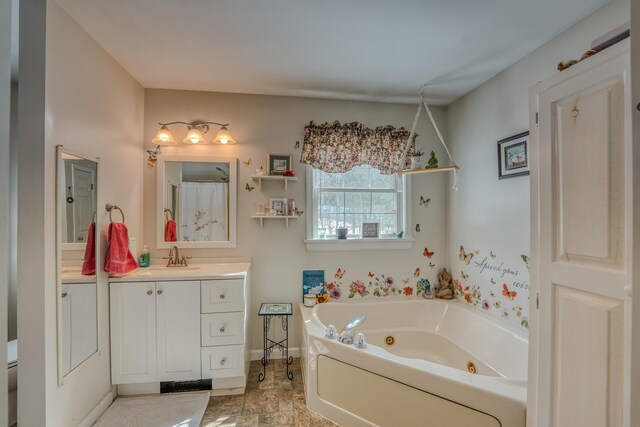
column 169, row 330
column 581, row 263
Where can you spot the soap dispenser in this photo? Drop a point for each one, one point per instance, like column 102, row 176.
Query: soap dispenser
column 145, row 257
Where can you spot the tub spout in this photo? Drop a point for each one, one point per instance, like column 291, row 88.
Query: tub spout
column 346, row 336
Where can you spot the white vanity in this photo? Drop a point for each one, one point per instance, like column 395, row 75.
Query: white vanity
column 180, row 324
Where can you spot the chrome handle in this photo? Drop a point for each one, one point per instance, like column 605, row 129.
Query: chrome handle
column 221, row 296
column 159, row 291
column 149, row 292
column 222, row 361
column 222, row 329
column 64, row 294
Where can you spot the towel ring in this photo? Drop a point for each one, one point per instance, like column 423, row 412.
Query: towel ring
column 110, row 207
column 168, row 211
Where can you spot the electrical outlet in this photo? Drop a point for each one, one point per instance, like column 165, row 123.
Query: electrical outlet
column 133, row 247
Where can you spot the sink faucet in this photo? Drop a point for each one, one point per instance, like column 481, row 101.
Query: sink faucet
column 346, row 336
column 174, row 258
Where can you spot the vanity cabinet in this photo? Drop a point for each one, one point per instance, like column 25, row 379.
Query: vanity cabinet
column 155, row 331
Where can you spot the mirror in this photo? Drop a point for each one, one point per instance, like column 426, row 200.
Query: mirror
column 77, row 252
column 196, row 202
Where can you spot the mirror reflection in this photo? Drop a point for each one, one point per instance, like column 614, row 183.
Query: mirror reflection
column 77, row 206
column 196, row 201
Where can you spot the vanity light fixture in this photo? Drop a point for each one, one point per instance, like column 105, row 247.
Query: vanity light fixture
column 195, row 133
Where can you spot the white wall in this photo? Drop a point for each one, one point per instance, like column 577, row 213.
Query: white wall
column 5, row 135
column 94, row 108
column 491, row 215
column 272, row 124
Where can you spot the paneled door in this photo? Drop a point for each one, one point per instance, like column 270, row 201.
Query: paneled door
column 178, row 330
column 581, row 194
column 133, row 332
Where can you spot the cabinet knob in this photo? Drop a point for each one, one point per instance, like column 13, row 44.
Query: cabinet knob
column 159, row 291
column 223, row 361
column 222, row 329
column 64, row 294
column 221, row 296
column 149, row 292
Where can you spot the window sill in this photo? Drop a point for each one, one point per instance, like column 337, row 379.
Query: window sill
column 358, row 244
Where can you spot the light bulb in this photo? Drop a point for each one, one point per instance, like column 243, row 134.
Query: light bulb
column 224, row 136
column 194, row 136
column 164, row 137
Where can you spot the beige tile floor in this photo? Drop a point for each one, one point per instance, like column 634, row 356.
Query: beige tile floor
column 276, row 401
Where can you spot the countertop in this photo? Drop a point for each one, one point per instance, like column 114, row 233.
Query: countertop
column 159, row 272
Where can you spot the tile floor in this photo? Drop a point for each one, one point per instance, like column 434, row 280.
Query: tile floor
column 276, row 401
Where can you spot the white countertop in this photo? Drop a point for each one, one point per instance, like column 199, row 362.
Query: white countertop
column 192, row 272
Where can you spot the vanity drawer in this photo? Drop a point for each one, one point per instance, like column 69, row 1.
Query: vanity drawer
column 222, row 362
column 220, row 296
column 222, row 328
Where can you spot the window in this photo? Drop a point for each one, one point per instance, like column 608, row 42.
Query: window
column 348, row 199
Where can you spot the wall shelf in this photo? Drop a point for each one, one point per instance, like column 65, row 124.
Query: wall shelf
column 425, row 170
column 284, row 179
column 263, row 217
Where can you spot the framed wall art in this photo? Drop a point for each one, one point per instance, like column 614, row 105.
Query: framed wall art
column 513, row 156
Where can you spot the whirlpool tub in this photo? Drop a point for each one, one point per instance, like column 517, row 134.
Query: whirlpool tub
column 427, row 363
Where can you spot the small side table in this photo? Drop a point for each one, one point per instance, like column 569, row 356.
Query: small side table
column 269, row 311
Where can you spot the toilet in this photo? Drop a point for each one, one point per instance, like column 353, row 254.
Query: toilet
column 12, row 359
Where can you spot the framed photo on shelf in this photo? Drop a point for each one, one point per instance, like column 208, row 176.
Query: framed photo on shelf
column 513, row 156
column 278, row 206
column 370, row 229
column 277, row 164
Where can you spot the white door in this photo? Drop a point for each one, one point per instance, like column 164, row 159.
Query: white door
column 133, row 332
column 178, row 323
column 581, row 245
column 83, row 201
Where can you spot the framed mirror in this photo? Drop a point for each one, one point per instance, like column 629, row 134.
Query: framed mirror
column 196, row 205
column 77, row 251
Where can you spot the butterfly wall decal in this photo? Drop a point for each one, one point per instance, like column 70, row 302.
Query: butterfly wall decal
column 417, row 228
column 496, row 304
column 431, row 265
column 340, row 273
column 464, row 276
column 466, row 257
column 477, row 251
column 248, row 187
column 424, row 202
column 428, row 253
column 507, row 293
column 417, row 272
column 526, row 260
column 247, row 162
column 371, row 274
column 405, row 281
column 153, row 156
column 296, row 145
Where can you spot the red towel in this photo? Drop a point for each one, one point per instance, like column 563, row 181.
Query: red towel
column 89, row 263
column 170, row 234
column 119, row 259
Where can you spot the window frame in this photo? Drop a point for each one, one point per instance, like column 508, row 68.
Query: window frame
column 353, row 242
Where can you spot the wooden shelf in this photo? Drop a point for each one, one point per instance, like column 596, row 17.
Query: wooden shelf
column 425, row 170
column 263, row 217
column 284, row 179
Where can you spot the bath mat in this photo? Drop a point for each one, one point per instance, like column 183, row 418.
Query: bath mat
column 184, row 410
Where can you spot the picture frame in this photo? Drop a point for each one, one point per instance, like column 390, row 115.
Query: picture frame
column 370, row 230
column 277, row 164
column 278, row 206
column 513, row 156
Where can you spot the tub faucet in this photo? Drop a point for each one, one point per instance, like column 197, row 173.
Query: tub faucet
column 346, row 336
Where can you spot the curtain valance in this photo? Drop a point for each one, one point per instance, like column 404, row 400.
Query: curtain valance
column 336, row 148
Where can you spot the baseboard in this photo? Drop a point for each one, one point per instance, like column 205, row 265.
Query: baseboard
column 93, row 416
column 257, row 354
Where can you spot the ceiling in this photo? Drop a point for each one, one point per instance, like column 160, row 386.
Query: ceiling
column 377, row 50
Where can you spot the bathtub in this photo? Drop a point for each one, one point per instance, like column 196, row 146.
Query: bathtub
column 417, row 367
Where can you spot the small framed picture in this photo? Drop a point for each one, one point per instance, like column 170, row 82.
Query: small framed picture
column 370, row 229
column 277, row 164
column 278, row 207
column 513, row 156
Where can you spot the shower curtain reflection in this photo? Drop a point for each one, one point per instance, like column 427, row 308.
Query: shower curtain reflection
column 204, row 211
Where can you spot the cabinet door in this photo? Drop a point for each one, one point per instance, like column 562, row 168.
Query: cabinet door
column 82, row 321
column 178, row 323
column 133, row 332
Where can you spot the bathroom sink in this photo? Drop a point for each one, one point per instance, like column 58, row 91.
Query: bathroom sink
column 164, row 268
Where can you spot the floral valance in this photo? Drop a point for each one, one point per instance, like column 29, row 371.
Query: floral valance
column 336, row 148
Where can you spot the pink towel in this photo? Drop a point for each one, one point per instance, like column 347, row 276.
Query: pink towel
column 119, row 259
column 89, row 263
column 170, row 234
